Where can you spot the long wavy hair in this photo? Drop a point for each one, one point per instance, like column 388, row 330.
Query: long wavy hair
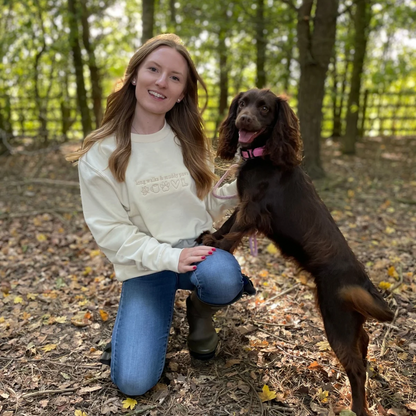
column 185, row 119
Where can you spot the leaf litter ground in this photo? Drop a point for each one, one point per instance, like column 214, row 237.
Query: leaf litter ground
column 59, row 297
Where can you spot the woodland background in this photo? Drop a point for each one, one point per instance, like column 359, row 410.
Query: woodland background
column 348, row 70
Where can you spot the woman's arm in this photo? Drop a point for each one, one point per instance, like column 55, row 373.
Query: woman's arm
column 228, row 199
column 120, row 240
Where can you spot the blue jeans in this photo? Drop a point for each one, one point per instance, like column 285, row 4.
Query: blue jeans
column 141, row 330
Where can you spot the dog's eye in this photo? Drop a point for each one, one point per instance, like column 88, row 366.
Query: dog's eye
column 242, row 104
column 265, row 109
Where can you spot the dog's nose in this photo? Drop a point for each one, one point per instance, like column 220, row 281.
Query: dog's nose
column 246, row 119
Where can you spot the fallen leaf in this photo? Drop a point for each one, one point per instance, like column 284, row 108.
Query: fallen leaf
column 314, row 366
column 103, row 315
column 60, row 319
column 271, row 249
column 90, row 389
column 32, row 296
column 49, row 347
column 411, row 406
column 87, row 271
column 263, row 273
column 323, row 346
column 230, row 363
column 80, row 413
column 384, row 285
column 347, row 412
column 129, row 403
column 267, row 394
column 323, row 395
column 41, row 237
column 393, row 273
column 18, row 299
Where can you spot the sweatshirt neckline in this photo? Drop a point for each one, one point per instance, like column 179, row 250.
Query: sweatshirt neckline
column 153, row 137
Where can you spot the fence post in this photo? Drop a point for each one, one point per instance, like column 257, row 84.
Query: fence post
column 361, row 130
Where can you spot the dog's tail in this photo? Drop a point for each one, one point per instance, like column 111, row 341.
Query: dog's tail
column 368, row 303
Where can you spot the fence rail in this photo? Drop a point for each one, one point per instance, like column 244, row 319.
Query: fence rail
column 380, row 114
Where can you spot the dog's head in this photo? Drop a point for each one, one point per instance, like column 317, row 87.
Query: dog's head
column 258, row 118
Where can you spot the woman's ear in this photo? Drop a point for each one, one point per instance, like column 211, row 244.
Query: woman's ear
column 228, row 133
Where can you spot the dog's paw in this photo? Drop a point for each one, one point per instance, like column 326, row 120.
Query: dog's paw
column 200, row 238
column 208, row 239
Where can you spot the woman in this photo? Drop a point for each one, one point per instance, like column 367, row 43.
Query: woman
column 146, row 179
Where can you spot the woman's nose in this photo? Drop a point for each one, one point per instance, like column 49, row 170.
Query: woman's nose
column 161, row 81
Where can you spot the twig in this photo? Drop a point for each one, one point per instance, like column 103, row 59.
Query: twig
column 255, row 393
column 406, row 201
column 396, row 285
column 42, row 211
column 271, row 324
column 141, row 410
column 40, row 393
column 41, row 181
column 383, row 345
column 285, row 292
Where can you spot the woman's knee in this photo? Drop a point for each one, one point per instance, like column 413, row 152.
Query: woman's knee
column 135, row 384
column 219, row 280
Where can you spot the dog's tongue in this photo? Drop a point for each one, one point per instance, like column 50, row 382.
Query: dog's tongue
column 245, row 136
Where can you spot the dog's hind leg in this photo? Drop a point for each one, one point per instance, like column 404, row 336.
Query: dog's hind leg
column 350, row 343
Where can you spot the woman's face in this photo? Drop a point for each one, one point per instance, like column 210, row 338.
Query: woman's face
column 160, row 82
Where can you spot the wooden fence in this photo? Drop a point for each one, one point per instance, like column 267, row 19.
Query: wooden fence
column 380, row 114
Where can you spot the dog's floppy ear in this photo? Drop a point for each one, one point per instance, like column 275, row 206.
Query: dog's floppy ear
column 285, row 146
column 228, row 133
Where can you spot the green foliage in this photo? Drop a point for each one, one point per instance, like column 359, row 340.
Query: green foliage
column 36, row 57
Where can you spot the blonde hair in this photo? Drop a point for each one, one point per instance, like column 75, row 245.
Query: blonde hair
column 184, row 118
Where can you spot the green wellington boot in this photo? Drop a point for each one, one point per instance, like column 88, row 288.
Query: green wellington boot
column 202, row 338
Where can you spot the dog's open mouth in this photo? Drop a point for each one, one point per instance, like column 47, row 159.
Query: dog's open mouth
column 245, row 136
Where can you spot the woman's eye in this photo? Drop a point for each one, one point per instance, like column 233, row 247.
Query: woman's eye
column 153, row 69
column 175, row 78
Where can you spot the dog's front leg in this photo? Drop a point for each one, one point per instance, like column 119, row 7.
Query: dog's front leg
column 214, row 239
column 240, row 228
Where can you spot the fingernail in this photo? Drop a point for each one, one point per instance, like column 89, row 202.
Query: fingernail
column 203, row 258
column 214, row 249
column 210, row 252
column 194, row 267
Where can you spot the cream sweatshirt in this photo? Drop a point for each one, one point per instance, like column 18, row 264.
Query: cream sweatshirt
column 143, row 224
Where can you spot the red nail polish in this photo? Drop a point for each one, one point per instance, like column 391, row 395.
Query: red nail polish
column 214, row 249
column 210, row 252
column 203, row 258
column 194, row 267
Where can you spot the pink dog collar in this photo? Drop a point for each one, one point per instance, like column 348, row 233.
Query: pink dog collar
column 252, row 153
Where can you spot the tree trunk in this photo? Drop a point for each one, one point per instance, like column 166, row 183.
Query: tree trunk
column 5, row 122
column 223, row 54
column 289, row 47
column 40, row 103
column 172, row 15
column 315, row 42
column 361, row 24
column 66, row 120
column 261, row 45
column 97, row 93
column 78, row 65
column 223, row 81
column 338, row 105
column 148, row 17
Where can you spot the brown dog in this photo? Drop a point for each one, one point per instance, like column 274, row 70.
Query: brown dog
column 279, row 200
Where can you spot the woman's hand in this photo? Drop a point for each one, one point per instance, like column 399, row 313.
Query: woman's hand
column 193, row 255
